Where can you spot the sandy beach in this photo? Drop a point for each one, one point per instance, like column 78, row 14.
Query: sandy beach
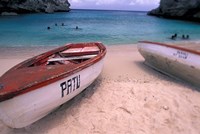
column 127, row 98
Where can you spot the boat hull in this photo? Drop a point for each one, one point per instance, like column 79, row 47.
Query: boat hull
column 174, row 62
column 27, row 108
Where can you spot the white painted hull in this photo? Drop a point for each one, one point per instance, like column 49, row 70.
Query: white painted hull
column 173, row 62
column 27, row 108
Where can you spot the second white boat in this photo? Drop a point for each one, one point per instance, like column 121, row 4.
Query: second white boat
column 174, row 61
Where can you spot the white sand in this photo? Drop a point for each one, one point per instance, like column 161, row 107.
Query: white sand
column 128, row 98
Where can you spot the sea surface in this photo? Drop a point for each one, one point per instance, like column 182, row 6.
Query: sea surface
column 108, row 27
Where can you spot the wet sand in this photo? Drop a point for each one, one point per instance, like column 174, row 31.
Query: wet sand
column 128, row 97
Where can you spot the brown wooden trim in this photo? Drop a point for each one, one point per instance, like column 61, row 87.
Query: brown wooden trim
column 172, row 46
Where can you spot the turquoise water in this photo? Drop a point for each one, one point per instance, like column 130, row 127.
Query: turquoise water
column 109, row 27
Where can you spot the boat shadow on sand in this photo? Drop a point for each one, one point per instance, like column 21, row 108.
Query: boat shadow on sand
column 162, row 76
column 62, row 114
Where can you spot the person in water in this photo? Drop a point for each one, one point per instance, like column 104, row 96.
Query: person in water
column 76, row 27
column 174, row 36
column 183, row 36
column 48, row 28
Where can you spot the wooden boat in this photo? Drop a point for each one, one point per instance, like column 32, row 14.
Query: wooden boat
column 175, row 61
column 35, row 87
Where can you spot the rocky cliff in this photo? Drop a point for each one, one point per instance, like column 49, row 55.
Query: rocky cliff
column 29, row 6
column 178, row 9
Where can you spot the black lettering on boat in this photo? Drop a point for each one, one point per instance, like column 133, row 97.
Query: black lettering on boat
column 78, row 82
column 74, row 83
column 181, row 54
column 63, row 88
column 70, row 85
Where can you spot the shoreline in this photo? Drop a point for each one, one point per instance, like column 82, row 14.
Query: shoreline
column 128, row 97
column 28, row 52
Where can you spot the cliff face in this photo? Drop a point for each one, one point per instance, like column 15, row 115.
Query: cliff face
column 178, row 9
column 29, row 6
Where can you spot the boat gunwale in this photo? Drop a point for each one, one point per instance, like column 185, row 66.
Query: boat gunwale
column 171, row 46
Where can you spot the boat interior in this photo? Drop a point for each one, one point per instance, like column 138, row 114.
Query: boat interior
column 72, row 55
